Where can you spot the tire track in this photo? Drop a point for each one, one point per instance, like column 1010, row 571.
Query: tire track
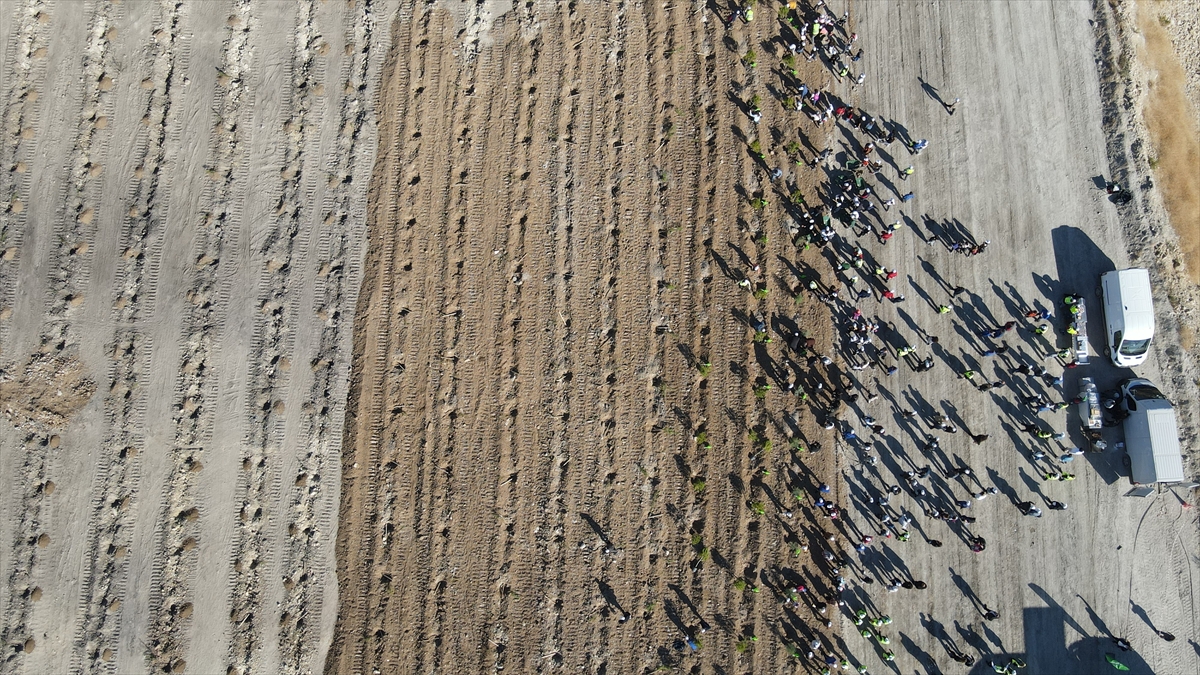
column 170, row 590
column 509, row 219
column 273, row 340
column 407, row 492
column 25, row 71
column 103, row 578
column 26, row 66
column 365, row 449
column 67, row 275
column 304, row 577
column 441, row 193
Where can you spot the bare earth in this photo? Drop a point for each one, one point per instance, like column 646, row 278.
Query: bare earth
column 183, row 222
column 554, row 210
column 499, row 244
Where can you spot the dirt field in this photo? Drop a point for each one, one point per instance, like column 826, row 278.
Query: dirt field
column 529, row 258
column 183, row 216
column 552, row 219
column 556, row 213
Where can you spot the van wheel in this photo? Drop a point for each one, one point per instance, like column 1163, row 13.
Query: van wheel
column 1125, row 460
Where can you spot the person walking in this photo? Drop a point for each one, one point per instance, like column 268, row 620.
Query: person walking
column 906, row 172
column 1054, row 505
column 990, row 614
column 950, row 106
column 907, row 197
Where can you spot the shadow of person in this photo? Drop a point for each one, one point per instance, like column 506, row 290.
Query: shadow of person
column 931, row 91
column 1096, row 620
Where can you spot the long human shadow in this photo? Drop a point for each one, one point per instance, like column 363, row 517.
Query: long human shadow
column 931, row 91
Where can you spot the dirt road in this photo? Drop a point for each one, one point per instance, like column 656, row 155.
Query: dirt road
column 184, row 195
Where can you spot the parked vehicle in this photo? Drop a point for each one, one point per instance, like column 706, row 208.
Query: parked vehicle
column 1128, row 316
column 1151, row 433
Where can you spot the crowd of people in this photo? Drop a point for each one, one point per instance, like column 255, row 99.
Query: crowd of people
column 860, row 206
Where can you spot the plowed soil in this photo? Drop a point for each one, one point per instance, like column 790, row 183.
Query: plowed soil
column 535, row 447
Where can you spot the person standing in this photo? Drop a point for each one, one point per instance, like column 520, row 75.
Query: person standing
column 950, row 106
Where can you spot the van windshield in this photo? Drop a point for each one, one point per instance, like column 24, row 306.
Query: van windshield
column 1145, row 392
column 1134, row 347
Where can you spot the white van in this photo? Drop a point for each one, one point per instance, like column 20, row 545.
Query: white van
column 1128, row 315
column 1151, row 434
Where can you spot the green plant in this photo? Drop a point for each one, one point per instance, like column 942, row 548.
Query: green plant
column 754, row 437
column 750, row 58
column 789, row 103
column 761, row 337
column 797, row 197
column 797, row 445
column 766, row 447
column 762, row 292
column 756, row 102
column 758, row 508
column 792, row 148
column 1153, row 162
column 697, row 540
column 758, row 203
column 760, row 392
column 704, row 368
column 756, row 147
column 698, row 486
column 743, row 645
column 789, row 61
column 702, row 440
column 1164, row 19
column 704, row 554
column 739, row 584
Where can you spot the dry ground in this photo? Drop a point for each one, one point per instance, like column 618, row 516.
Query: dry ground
column 535, row 441
column 182, row 210
column 560, row 204
column 560, row 189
